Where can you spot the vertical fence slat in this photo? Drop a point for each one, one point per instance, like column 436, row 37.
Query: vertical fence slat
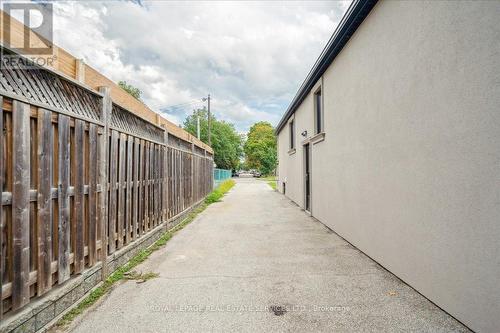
column 192, row 180
column 135, row 201
column 181, row 191
column 101, row 196
column 20, row 205
column 160, row 183
column 146, row 188
column 128, row 201
column 176, row 181
column 169, row 192
column 165, row 177
column 140, row 220
column 106, row 108
column 156, row 168
column 92, row 194
column 79, row 259
column 181, row 182
column 175, row 192
column 45, row 152
column 176, row 189
column 32, row 205
column 63, row 270
column 121, row 194
column 113, row 159
column 151, row 186
column 155, row 187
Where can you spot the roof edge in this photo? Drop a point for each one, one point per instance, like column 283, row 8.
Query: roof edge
column 354, row 16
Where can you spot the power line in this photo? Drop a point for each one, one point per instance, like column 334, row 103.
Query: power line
column 181, row 104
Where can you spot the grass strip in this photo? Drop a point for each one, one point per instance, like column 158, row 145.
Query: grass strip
column 121, row 272
column 271, row 181
column 219, row 192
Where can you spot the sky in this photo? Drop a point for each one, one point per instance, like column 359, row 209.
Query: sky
column 250, row 56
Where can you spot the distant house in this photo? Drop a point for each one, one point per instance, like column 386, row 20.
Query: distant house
column 393, row 141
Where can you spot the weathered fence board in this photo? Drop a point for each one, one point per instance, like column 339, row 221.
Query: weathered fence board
column 92, row 196
column 141, row 189
column 20, row 204
column 135, row 201
column 128, row 198
column 121, row 194
column 113, row 160
column 78, row 230
column 45, row 153
column 63, row 272
column 146, row 187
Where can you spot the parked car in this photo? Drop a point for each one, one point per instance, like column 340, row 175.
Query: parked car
column 245, row 174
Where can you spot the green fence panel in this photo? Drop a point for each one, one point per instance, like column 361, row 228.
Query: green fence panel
column 221, row 175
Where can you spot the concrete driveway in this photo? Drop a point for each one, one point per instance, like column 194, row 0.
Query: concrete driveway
column 255, row 262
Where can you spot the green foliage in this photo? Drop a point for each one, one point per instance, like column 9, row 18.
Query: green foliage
column 125, row 271
column 226, row 142
column 135, row 92
column 219, row 192
column 243, row 166
column 260, row 148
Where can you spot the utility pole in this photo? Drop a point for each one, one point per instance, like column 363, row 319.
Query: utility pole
column 209, row 138
column 198, row 126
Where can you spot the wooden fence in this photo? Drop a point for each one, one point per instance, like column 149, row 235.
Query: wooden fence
column 81, row 178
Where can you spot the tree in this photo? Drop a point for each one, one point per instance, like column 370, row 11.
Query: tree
column 260, row 148
column 135, row 92
column 226, row 142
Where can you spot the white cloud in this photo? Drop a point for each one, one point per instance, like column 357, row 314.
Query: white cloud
column 251, row 56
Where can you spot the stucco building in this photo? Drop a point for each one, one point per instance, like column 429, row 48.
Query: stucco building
column 393, row 141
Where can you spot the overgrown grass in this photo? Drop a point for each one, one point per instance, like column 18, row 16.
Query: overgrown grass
column 219, row 192
column 271, row 180
column 125, row 271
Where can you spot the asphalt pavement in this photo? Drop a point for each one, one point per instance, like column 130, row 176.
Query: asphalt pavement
column 255, row 262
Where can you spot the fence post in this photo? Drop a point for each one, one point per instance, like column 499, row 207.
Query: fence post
column 103, row 176
column 192, row 199
column 80, row 70
column 165, row 176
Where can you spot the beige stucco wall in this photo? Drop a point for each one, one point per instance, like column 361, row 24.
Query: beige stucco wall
column 409, row 171
column 291, row 170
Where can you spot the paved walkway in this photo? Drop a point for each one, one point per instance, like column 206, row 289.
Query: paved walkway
column 255, row 262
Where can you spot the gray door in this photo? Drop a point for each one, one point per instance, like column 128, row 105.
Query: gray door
column 307, row 176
